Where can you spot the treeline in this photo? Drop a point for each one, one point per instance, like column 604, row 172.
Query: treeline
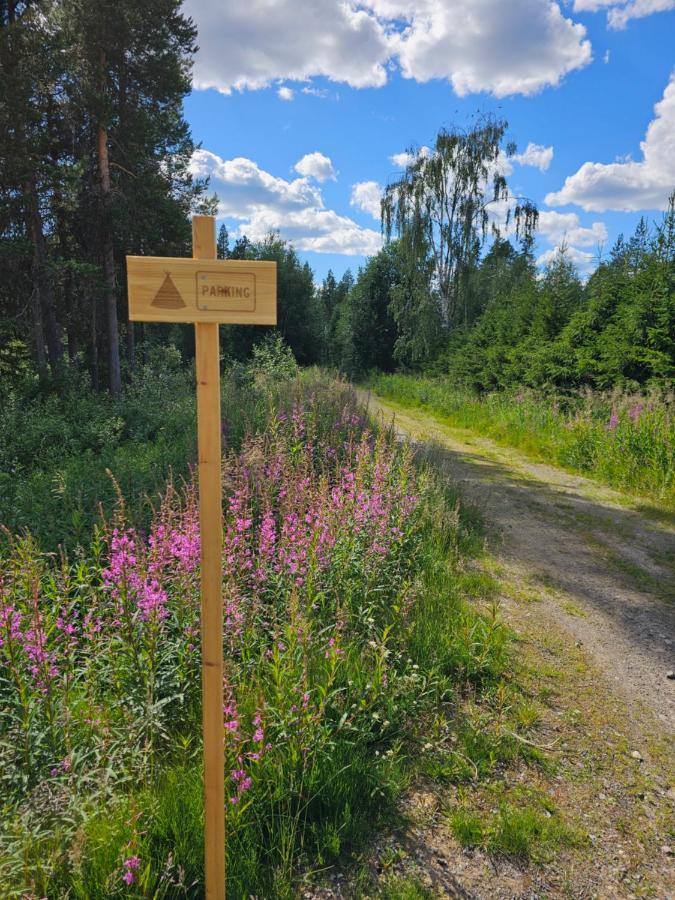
column 94, row 164
column 542, row 329
column 457, row 291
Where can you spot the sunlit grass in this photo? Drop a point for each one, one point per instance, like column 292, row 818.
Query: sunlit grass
column 351, row 635
column 624, row 440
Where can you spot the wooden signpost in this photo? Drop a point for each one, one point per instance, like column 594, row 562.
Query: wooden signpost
column 207, row 291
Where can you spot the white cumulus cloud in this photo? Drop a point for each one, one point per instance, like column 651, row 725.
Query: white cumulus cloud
column 285, row 93
column 556, row 227
column 583, row 261
column 406, row 157
column 503, row 48
column 249, row 45
column 316, row 165
column 620, row 12
column 535, row 155
column 629, row 185
column 264, row 203
column 366, row 195
column 517, row 47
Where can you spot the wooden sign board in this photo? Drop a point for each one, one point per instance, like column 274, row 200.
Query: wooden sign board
column 230, row 291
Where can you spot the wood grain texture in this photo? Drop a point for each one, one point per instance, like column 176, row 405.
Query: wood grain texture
column 210, row 520
column 202, row 289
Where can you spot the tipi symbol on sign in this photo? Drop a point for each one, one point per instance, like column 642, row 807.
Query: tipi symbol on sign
column 167, row 296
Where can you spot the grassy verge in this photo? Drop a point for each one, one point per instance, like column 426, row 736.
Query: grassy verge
column 355, row 659
column 627, row 442
column 59, row 442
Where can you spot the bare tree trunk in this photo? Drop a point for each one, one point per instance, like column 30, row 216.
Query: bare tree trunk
column 38, row 334
column 41, row 277
column 110, row 290
column 93, row 346
column 131, row 348
column 69, row 302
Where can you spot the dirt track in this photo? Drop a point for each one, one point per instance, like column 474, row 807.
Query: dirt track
column 603, row 569
column 587, row 585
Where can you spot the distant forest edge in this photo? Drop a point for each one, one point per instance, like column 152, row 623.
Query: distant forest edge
column 95, row 156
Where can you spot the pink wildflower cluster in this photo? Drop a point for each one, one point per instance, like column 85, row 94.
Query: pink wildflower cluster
column 635, row 411
column 287, row 512
column 25, row 640
column 132, row 579
column 130, row 866
column 236, row 744
column 298, row 520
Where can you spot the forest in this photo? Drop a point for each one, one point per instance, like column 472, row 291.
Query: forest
column 95, row 165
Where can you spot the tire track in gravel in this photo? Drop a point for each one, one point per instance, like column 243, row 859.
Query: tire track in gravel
column 603, row 569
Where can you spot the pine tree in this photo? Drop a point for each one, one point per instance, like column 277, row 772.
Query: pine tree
column 129, row 68
column 223, row 244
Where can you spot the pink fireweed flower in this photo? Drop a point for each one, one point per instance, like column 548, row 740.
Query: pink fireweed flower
column 230, row 712
column 122, row 558
column 613, row 422
column 258, row 735
column 10, row 624
column 635, row 411
column 130, row 866
column 152, row 600
column 242, row 781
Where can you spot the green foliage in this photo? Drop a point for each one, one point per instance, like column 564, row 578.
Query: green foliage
column 332, row 677
column 59, row 441
column 91, row 94
column 367, row 326
column 626, row 440
column 438, row 209
column 618, row 329
column 526, row 827
column 272, row 362
column 299, row 313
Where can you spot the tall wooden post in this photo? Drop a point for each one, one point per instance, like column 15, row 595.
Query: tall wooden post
column 207, row 291
column 210, row 520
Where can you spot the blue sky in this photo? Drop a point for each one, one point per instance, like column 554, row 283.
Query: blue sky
column 299, row 108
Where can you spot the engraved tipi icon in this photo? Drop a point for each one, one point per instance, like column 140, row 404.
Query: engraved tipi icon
column 167, row 296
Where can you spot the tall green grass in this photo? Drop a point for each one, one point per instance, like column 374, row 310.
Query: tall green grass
column 349, row 652
column 624, row 440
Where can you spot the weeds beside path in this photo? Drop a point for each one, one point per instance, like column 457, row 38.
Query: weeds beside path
column 604, row 570
column 587, row 584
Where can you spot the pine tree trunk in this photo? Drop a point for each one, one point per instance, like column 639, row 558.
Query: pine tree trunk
column 131, row 348
column 45, row 310
column 109, row 280
column 38, row 334
column 69, row 303
column 93, row 347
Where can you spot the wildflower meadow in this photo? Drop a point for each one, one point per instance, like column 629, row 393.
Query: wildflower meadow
column 346, row 641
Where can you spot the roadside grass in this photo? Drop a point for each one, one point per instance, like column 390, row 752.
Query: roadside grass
column 571, row 810
column 626, row 441
column 526, row 825
column 349, row 673
column 404, row 887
